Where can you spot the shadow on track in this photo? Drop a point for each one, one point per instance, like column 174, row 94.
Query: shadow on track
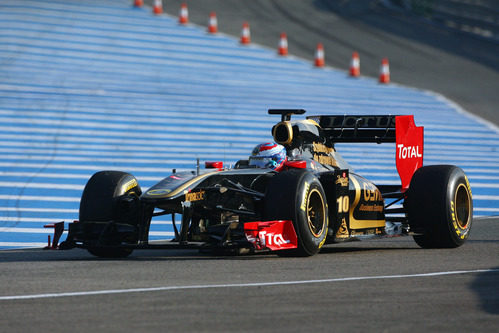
column 486, row 288
column 40, row 255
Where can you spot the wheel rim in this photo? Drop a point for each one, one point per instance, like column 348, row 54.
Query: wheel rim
column 463, row 206
column 316, row 213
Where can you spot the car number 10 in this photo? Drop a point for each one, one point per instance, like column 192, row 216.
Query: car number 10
column 343, row 204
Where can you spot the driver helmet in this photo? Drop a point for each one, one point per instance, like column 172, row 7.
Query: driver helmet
column 268, row 155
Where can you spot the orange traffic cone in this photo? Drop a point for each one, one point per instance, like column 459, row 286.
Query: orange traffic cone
column 283, row 45
column 384, row 75
column 355, row 65
column 319, row 56
column 213, row 23
column 138, row 3
column 245, row 34
column 183, row 16
column 157, row 7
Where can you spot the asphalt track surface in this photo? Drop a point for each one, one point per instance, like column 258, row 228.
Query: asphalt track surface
column 386, row 285
column 461, row 66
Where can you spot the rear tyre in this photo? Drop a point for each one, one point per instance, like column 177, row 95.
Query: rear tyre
column 298, row 195
column 440, row 206
column 100, row 202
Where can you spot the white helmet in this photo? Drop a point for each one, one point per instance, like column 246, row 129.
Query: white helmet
column 268, row 155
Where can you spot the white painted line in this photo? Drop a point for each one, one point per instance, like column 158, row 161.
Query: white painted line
column 17, row 219
column 201, row 133
column 122, row 159
column 479, row 209
column 385, row 167
column 51, row 231
column 38, row 210
column 166, row 112
column 482, row 185
column 68, row 198
column 485, row 197
column 28, row 230
column 239, row 285
column 396, row 176
column 125, row 125
column 88, row 137
column 42, row 185
column 162, row 233
column 89, row 167
column 22, row 245
column 131, row 145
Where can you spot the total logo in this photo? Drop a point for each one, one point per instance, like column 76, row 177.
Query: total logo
column 408, row 151
column 270, row 238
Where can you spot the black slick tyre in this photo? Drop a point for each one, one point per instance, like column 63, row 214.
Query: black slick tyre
column 298, row 195
column 439, row 206
column 100, row 202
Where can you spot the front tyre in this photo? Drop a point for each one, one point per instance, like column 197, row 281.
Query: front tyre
column 440, row 206
column 298, row 195
column 102, row 201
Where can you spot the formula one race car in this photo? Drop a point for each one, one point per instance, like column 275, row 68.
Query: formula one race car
column 314, row 199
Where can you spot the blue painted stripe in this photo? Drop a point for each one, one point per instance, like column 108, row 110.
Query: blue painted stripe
column 86, row 86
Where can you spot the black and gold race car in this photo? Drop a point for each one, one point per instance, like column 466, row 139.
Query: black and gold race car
column 315, row 199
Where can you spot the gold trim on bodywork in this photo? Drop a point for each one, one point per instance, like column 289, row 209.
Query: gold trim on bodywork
column 324, row 154
column 194, row 196
column 289, row 129
column 361, row 224
column 185, row 185
column 311, row 122
column 129, row 185
column 342, row 230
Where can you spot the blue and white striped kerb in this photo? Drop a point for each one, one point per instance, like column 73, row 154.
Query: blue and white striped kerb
column 93, row 85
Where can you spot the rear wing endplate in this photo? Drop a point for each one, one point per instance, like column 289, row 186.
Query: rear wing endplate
column 409, row 149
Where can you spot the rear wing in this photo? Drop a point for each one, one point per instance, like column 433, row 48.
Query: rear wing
column 408, row 137
column 352, row 128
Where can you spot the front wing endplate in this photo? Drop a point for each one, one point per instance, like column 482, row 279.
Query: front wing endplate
column 271, row 235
